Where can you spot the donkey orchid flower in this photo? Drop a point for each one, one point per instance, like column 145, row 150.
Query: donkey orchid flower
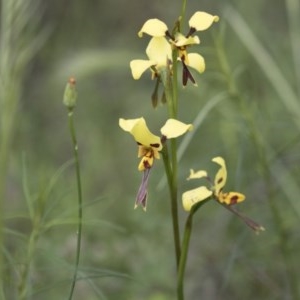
column 149, row 146
column 158, row 50
column 197, row 195
column 198, row 22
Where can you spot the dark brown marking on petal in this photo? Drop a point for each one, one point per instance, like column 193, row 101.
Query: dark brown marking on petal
column 234, row 199
column 220, row 180
column 168, row 34
column 146, row 164
column 156, row 145
column 192, row 31
column 139, row 143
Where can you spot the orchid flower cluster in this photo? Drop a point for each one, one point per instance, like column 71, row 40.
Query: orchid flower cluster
column 161, row 60
column 165, row 49
column 160, row 51
column 160, row 48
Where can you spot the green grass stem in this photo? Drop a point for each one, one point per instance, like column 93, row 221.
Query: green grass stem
column 293, row 13
column 265, row 62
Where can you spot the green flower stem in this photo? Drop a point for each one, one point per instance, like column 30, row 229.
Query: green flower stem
column 174, row 203
column 174, row 100
column 79, row 191
column 183, row 256
column 174, row 207
column 183, row 9
column 171, row 162
column 184, row 250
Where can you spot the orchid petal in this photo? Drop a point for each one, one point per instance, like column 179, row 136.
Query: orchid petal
column 194, row 196
column 142, row 135
column 202, row 20
column 159, row 50
column 139, row 66
column 174, row 128
column 196, row 61
column 196, row 175
column 154, row 27
column 221, row 176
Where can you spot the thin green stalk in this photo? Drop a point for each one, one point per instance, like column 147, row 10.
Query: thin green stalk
column 174, row 100
column 33, row 239
column 174, row 201
column 183, row 9
column 184, row 254
column 174, row 206
column 184, row 250
column 170, row 161
column 79, row 191
column 293, row 13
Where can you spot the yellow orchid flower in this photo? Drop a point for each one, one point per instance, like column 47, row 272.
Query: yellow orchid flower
column 159, row 53
column 158, row 50
column 149, row 146
column 197, row 195
column 194, row 196
column 198, row 22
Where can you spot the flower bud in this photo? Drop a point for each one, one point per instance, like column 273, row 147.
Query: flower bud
column 70, row 94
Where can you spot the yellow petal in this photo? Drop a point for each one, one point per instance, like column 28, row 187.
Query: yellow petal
column 174, row 128
column 196, row 175
column 139, row 66
column 196, row 61
column 221, row 176
column 181, row 40
column 142, row 135
column 153, row 27
column 159, row 50
column 128, row 124
column 202, row 20
column 194, row 196
column 231, row 198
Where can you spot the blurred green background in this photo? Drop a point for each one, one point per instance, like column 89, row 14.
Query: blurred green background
column 254, row 125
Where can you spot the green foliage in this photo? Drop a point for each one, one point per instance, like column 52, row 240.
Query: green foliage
column 245, row 108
